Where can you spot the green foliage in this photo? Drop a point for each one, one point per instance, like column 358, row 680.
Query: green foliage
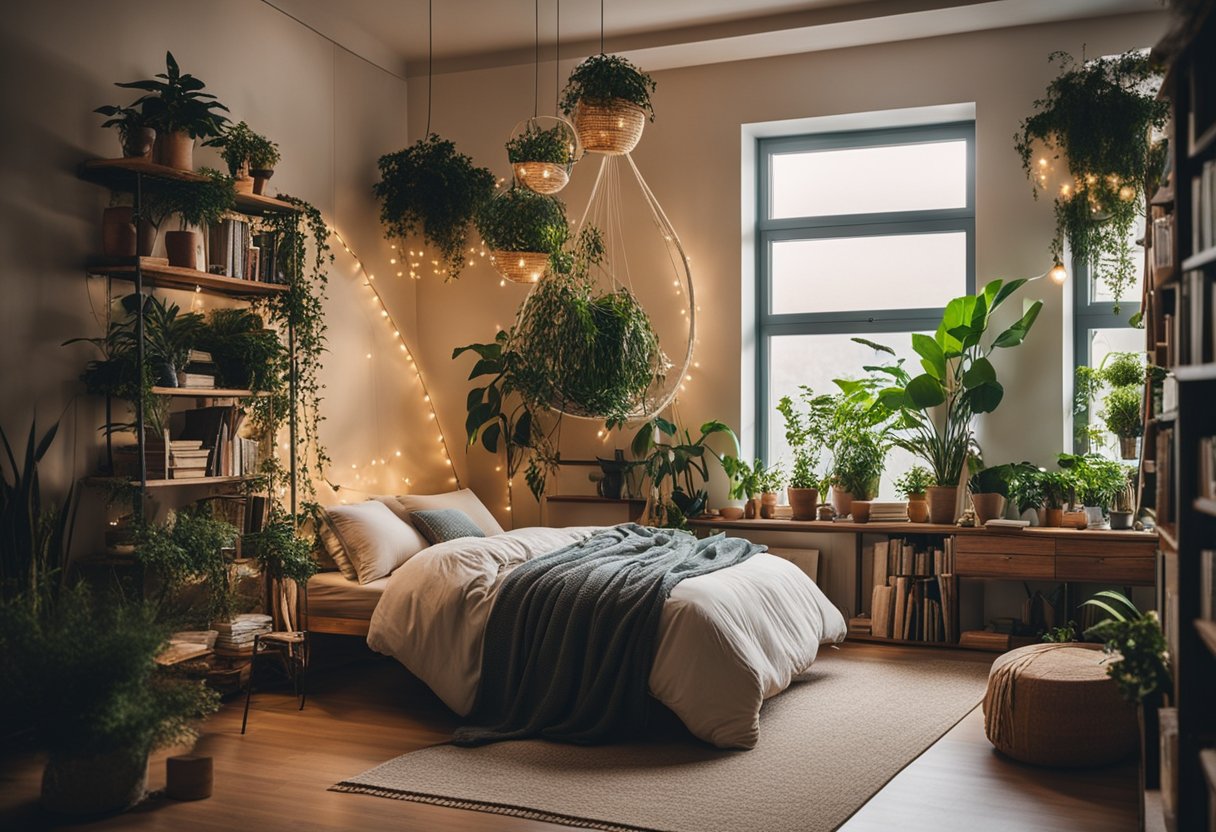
column 806, row 432
column 932, row 413
column 771, row 479
column 518, row 219
column 859, row 445
column 999, row 479
column 1096, row 479
column 243, row 148
column 1059, row 488
column 1064, row 634
column 1122, row 411
column 1026, row 488
column 247, row 354
column 185, row 551
column 1099, row 115
column 81, row 673
column 554, row 145
column 1123, row 369
column 430, row 188
column 177, row 102
column 1139, row 659
column 125, row 119
column 602, row 78
column 744, row 477
column 196, row 203
column 914, row 481
column 677, row 457
column 280, row 553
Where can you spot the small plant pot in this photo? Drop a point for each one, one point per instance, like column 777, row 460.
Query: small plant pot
column 93, row 784
column 942, row 499
column 861, row 511
column 1074, row 519
column 803, row 502
column 1129, row 447
column 612, row 128
column 118, row 235
column 1122, row 520
column 138, row 143
column 731, row 512
column 1094, row 517
column 243, row 184
column 146, row 241
column 524, row 267
column 1053, row 518
column 918, row 509
column 176, row 150
column 751, row 509
column 541, row 177
column 988, row 507
column 825, row 513
column 842, row 501
column 768, row 505
column 183, row 248
column 260, row 177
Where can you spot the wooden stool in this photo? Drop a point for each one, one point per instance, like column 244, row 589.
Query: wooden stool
column 188, row 777
column 296, row 665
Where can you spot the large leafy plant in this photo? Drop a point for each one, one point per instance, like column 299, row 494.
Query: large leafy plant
column 247, row 354
column 1098, row 115
column 1137, row 653
column 807, row 424
column 604, row 78
column 176, row 103
column 670, row 456
column 518, row 219
column 933, row 411
column 431, row 189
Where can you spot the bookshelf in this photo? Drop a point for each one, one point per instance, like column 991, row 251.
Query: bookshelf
column 159, row 274
column 1181, row 338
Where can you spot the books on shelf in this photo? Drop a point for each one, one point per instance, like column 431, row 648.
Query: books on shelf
column 1207, row 584
column 267, row 258
column 195, row 381
column 1207, row 467
column 915, row 593
column 1203, row 201
column 888, row 512
column 1162, row 250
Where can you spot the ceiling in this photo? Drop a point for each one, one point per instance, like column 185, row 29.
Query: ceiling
column 659, row 34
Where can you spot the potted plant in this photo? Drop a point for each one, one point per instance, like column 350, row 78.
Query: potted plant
column 197, row 204
column 744, row 483
column 281, row 555
column 1098, row 482
column 542, row 156
column 430, row 188
column 263, row 157
column 1122, row 371
column 933, row 412
column 856, row 437
column 1099, row 115
column 672, row 459
column 180, row 111
column 185, row 553
column 522, row 229
column 989, row 487
column 1122, row 412
column 912, row 485
column 247, row 354
column 134, row 132
column 806, row 433
column 770, row 481
column 1026, row 492
column 609, row 100
column 1059, row 492
column 240, row 149
column 1123, row 512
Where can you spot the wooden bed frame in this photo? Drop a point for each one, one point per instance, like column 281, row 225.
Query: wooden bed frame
column 336, row 626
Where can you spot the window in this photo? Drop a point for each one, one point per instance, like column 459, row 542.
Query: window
column 860, row 234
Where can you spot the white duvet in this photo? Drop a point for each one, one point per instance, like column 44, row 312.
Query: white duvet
column 727, row 640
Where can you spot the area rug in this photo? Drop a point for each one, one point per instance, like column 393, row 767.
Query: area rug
column 826, row 746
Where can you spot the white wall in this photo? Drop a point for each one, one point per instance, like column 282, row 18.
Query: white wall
column 691, row 158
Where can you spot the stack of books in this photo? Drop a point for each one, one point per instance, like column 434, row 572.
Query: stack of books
column 236, row 636
column 267, row 247
column 232, row 252
column 175, row 459
column 200, row 371
column 187, row 459
column 889, row 512
column 915, row 595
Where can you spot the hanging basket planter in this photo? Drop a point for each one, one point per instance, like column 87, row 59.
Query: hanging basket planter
column 542, row 150
column 520, row 266
column 609, row 100
column 612, row 128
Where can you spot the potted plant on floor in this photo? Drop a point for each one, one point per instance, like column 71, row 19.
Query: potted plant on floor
column 806, row 432
column 911, row 486
column 609, row 100
column 541, row 157
column 431, row 189
column 523, row 230
column 135, row 134
column 933, row 412
column 180, row 111
column 198, row 205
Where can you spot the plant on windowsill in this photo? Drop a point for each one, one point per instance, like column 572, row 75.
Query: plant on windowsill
column 1122, row 413
column 805, row 432
column 770, row 481
column 608, row 99
column 431, row 189
column 1099, row 115
column 676, row 468
column 523, row 230
column 911, row 486
column 933, row 413
column 1098, row 482
column 1117, row 370
column 744, row 480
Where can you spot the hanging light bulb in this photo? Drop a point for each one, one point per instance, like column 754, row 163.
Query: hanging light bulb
column 1058, row 274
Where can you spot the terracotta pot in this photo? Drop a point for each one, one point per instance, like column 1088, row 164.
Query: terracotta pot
column 751, row 509
column 138, row 143
column 147, row 238
column 1054, row 518
column 182, row 248
column 918, row 509
column 260, row 177
column 861, row 511
column 1129, row 447
column 842, row 501
column 1122, row 520
column 731, row 512
column 118, row 237
column 942, row 499
column 803, row 502
column 243, row 184
column 824, row 512
column 768, row 505
column 93, row 784
column 176, row 150
column 988, row 507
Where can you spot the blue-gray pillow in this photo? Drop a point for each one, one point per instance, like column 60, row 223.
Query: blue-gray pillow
column 439, row 525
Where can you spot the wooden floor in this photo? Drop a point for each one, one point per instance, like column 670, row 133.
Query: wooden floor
column 362, row 714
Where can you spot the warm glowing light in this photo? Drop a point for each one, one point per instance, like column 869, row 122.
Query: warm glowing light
column 1058, row 274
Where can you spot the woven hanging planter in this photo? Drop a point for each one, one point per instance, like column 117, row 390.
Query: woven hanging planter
column 541, row 177
column 613, row 128
column 520, row 266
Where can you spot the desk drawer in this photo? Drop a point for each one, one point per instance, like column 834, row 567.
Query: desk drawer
column 1026, row 567
column 1004, row 544
column 1108, row 549
column 1117, row 568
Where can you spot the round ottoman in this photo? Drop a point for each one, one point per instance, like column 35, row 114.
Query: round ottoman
column 1054, row 705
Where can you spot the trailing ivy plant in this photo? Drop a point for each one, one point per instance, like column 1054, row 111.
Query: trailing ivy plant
column 431, row 189
column 554, row 145
column 1099, row 115
column 518, row 219
column 603, row 78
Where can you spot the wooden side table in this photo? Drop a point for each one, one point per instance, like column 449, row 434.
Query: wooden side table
column 293, row 649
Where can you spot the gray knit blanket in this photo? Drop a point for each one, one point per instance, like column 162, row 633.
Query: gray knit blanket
column 571, row 638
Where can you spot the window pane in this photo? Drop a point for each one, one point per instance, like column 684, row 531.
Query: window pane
column 1103, row 342
column 814, row 360
column 867, row 180
column 842, row 274
column 1131, row 295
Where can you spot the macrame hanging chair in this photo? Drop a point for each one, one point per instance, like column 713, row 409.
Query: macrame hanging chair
column 548, row 176
column 646, row 266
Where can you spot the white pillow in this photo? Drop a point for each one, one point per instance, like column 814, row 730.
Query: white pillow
column 464, row 500
column 367, row 540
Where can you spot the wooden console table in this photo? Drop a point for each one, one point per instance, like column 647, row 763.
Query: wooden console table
column 1127, row 558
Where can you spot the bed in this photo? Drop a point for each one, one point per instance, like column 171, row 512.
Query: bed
column 341, row 606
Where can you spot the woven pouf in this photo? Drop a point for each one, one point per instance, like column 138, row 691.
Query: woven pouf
column 1054, row 705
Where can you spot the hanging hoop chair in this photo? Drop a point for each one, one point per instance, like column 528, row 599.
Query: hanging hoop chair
column 542, row 150
column 665, row 299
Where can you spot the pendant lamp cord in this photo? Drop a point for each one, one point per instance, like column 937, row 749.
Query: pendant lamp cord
column 557, row 59
column 536, row 61
column 430, row 57
column 601, row 27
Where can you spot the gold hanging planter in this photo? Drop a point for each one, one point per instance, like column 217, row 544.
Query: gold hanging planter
column 541, row 177
column 542, row 150
column 524, row 267
column 612, row 128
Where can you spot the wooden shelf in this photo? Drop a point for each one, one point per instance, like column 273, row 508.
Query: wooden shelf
column 1166, row 533
column 1207, row 632
column 1200, row 259
column 119, row 174
column 157, row 272
column 101, row 480
column 904, row 528
column 207, row 392
column 592, row 498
